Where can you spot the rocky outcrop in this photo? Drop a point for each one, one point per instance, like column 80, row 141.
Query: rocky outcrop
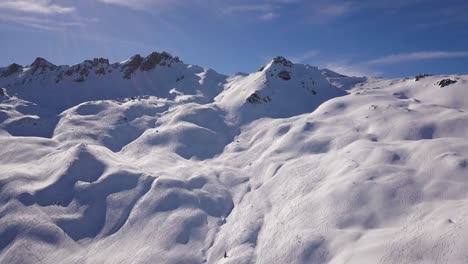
column 11, row 69
column 256, row 98
column 446, row 82
column 97, row 61
column 155, row 58
column 421, row 76
column 131, row 66
column 41, row 65
column 82, row 70
column 285, row 75
column 148, row 63
column 282, row 61
column 100, row 71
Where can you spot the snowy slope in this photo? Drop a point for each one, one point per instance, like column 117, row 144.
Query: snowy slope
column 290, row 164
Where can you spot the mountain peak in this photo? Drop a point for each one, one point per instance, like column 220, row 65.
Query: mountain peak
column 149, row 62
column 280, row 60
column 97, row 61
column 156, row 58
column 40, row 62
column 277, row 61
column 11, row 69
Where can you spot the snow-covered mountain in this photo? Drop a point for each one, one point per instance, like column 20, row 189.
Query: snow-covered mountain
column 152, row 160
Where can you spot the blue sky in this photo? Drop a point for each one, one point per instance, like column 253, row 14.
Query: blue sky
column 390, row 38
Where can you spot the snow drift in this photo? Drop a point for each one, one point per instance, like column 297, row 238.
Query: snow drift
column 155, row 161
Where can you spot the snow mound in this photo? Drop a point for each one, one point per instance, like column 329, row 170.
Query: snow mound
column 180, row 164
column 279, row 89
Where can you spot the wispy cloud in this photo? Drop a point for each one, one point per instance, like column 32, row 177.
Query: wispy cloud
column 305, row 57
column 40, row 22
column 418, row 56
column 41, row 15
column 261, row 9
column 335, row 9
column 44, row 23
column 35, row 7
column 267, row 16
column 351, row 69
column 148, row 5
column 247, row 8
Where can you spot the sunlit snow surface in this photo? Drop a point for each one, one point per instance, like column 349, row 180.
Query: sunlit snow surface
column 154, row 170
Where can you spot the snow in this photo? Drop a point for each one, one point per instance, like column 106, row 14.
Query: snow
column 322, row 168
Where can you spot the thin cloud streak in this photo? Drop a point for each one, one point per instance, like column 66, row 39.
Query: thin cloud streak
column 44, row 7
column 352, row 69
column 46, row 23
column 144, row 4
column 305, row 57
column 418, row 56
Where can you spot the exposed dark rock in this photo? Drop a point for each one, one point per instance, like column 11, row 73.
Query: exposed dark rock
column 284, row 75
column 132, row 65
column 421, row 76
column 41, row 65
column 446, row 82
column 11, row 69
column 148, row 63
column 59, row 77
column 69, row 72
column 97, row 61
column 255, row 98
column 261, row 68
column 101, row 71
column 2, row 92
column 283, row 61
column 155, row 58
column 40, row 62
column 84, row 72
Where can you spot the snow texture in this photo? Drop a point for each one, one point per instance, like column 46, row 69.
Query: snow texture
column 155, row 161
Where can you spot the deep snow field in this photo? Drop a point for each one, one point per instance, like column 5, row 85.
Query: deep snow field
column 155, row 161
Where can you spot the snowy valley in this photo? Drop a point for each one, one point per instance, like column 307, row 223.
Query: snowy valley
column 152, row 160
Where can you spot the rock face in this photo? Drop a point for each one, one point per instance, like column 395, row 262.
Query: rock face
column 285, row 75
column 156, row 58
column 148, row 63
column 421, row 76
column 132, row 65
column 446, row 82
column 256, row 98
column 283, row 61
column 82, row 70
column 97, row 61
column 40, row 65
column 11, row 69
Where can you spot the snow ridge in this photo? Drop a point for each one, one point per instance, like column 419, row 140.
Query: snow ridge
column 152, row 160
